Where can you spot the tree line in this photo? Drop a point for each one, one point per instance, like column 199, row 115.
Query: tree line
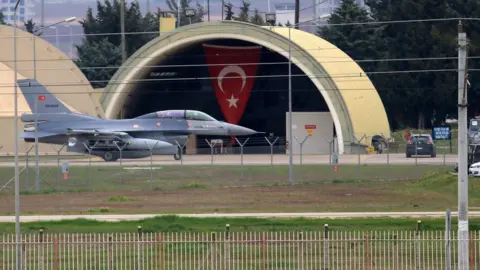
column 411, row 98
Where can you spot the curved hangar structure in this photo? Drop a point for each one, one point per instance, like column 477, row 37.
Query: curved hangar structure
column 356, row 113
column 45, row 69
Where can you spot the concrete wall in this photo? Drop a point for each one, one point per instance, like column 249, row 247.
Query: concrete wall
column 318, row 142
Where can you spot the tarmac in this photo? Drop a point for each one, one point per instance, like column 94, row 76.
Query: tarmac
column 260, row 159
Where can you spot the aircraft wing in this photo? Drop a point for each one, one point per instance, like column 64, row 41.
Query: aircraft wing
column 96, row 133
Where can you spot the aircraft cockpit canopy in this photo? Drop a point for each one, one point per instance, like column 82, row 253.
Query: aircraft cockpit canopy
column 179, row 114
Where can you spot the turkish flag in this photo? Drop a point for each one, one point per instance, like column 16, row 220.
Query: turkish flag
column 232, row 71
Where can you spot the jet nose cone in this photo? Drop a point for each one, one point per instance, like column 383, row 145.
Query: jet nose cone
column 234, row 130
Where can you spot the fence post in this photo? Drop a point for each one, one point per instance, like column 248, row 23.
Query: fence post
column 58, row 164
column 55, row 253
column 325, row 247
column 417, row 246
column 264, row 252
column 120, row 149
column 448, row 246
column 214, row 252
column 241, row 154
column 227, row 247
column 367, row 252
column 110, row 253
column 41, row 250
column 470, row 247
column 160, row 250
column 212, row 145
column 301, row 147
column 139, row 246
column 151, row 159
column 271, row 148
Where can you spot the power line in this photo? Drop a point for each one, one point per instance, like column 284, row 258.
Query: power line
column 342, row 75
column 249, row 64
column 184, row 90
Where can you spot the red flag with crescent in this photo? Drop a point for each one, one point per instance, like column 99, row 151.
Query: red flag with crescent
column 233, row 71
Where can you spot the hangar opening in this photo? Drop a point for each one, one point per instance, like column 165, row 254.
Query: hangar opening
column 182, row 80
column 353, row 103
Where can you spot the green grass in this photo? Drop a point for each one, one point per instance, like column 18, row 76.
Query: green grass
column 175, row 177
column 120, row 199
column 263, row 189
column 182, row 224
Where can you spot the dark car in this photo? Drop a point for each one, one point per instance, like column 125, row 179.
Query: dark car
column 421, row 145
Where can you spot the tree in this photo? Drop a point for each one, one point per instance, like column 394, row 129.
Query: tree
column 95, row 54
column 184, row 5
column 412, row 98
column 228, row 11
column 2, row 17
column 30, row 27
column 257, row 18
column 243, row 16
column 99, row 50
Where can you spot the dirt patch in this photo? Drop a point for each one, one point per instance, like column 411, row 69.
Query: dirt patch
column 320, row 198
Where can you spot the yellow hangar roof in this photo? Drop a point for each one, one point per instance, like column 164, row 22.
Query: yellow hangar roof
column 360, row 96
column 54, row 71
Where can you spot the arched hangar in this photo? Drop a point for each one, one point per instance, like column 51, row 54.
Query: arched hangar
column 353, row 102
column 40, row 66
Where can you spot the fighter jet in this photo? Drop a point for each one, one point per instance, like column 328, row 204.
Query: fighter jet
column 156, row 133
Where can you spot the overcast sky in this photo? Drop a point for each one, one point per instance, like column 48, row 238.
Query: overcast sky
column 78, row 8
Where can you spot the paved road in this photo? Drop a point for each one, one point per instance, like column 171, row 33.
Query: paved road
column 251, row 215
column 253, row 160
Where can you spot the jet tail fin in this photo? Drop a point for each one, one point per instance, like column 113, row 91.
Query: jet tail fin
column 40, row 99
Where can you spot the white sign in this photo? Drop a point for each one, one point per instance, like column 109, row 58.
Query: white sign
column 65, row 167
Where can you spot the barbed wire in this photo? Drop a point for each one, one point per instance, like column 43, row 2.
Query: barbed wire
column 276, row 76
column 247, row 64
column 265, row 26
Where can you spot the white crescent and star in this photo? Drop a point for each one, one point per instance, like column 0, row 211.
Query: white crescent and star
column 232, row 101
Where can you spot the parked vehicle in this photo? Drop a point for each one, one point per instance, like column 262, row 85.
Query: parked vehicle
column 421, row 145
column 379, row 144
column 473, row 156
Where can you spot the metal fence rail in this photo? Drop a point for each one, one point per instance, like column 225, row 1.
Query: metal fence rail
column 240, row 250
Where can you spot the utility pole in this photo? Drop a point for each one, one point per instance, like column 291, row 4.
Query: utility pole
column 208, row 10
column 297, row 13
column 463, row 252
column 42, row 21
column 314, row 13
column 122, row 29
column 178, row 13
column 223, row 11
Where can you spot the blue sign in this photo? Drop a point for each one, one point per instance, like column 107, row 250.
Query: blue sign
column 441, row 133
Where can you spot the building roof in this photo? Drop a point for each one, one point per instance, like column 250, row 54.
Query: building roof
column 54, row 71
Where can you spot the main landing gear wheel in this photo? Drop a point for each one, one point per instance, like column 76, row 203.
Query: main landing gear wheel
column 178, row 155
column 109, row 156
